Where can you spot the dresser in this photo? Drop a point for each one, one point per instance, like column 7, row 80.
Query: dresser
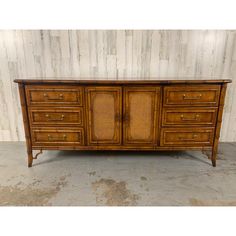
column 157, row 114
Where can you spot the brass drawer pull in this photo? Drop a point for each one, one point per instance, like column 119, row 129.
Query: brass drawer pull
column 55, row 119
column 63, row 138
column 189, row 119
column 192, row 98
column 60, row 97
column 188, row 139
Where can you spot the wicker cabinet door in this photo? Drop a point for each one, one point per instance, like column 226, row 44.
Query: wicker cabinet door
column 141, row 112
column 104, row 112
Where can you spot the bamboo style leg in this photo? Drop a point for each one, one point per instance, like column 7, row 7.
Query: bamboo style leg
column 213, row 156
column 30, row 158
column 218, row 125
column 26, row 124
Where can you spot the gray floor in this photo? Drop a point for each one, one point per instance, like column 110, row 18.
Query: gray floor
column 72, row 178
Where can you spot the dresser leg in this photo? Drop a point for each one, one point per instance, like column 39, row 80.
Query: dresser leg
column 30, row 159
column 214, row 151
column 213, row 156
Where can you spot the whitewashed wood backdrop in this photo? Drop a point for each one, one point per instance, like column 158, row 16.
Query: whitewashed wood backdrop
column 115, row 54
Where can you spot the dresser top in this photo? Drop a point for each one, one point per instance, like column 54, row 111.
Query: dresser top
column 161, row 80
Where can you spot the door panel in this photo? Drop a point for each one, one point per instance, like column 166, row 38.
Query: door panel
column 141, row 107
column 104, row 115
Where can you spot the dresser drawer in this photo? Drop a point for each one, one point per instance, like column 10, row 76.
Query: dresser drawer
column 189, row 116
column 187, row 137
column 49, row 116
column 192, row 95
column 57, row 137
column 54, row 95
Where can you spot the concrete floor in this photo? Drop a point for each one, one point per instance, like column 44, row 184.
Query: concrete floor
column 73, row 178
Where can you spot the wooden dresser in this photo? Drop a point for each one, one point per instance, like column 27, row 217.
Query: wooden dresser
column 122, row 115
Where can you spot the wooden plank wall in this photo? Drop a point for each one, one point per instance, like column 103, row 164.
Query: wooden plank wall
column 113, row 53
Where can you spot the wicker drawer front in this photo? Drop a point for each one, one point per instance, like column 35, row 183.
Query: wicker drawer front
column 54, row 95
column 187, row 137
column 192, row 95
column 189, row 116
column 56, row 117
column 57, row 137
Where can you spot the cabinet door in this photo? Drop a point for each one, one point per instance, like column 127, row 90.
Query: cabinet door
column 104, row 115
column 141, row 113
